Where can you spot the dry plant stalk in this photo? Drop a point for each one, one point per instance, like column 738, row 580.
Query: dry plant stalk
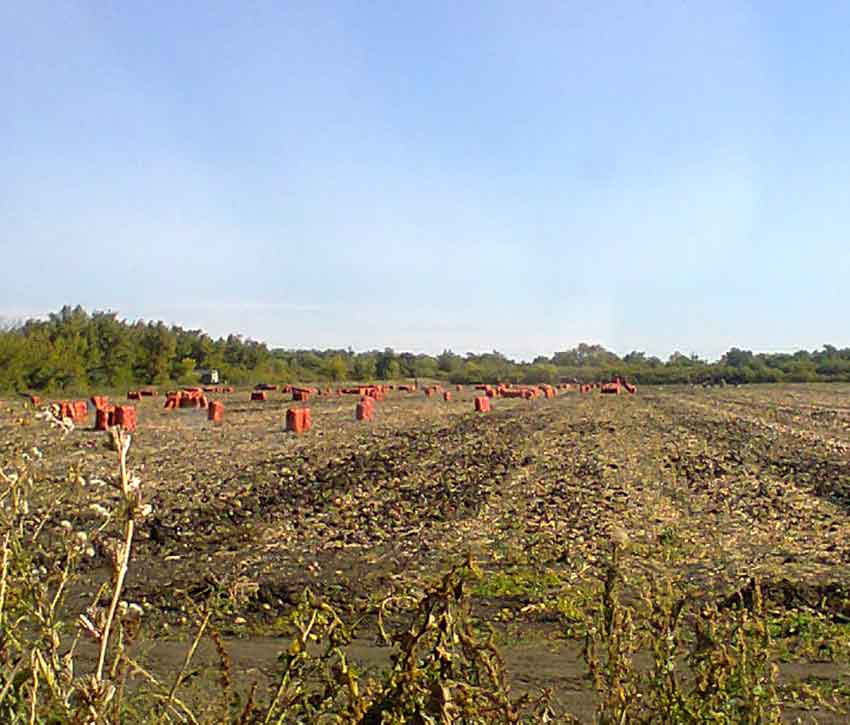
column 712, row 665
column 131, row 490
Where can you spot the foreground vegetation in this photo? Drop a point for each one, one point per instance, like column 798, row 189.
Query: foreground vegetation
column 444, row 666
column 73, row 351
column 676, row 556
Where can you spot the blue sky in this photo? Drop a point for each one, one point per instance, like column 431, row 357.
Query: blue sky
column 656, row 176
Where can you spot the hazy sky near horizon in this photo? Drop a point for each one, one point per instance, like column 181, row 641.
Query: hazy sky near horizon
column 524, row 176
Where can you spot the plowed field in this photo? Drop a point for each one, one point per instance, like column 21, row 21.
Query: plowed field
column 710, row 488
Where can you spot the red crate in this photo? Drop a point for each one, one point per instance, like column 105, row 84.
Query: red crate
column 125, row 416
column 215, row 411
column 104, row 417
column 298, row 420
column 364, row 410
column 79, row 411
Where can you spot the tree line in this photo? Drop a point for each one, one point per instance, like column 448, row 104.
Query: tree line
column 73, row 350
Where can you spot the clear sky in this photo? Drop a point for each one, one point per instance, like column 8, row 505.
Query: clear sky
column 522, row 176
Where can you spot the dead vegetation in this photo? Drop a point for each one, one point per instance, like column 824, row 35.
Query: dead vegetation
column 675, row 556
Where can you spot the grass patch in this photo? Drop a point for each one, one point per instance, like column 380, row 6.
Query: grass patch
column 801, row 634
column 522, row 583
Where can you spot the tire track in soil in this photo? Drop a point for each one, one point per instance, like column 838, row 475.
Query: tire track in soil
column 778, row 495
column 826, row 424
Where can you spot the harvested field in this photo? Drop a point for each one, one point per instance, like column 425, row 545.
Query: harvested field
column 708, row 489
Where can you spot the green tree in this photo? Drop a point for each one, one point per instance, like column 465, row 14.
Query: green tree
column 383, row 368
column 425, row 367
column 392, row 371
column 159, row 344
column 541, row 373
column 448, row 362
column 114, row 344
column 184, row 371
column 365, row 367
column 336, row 368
